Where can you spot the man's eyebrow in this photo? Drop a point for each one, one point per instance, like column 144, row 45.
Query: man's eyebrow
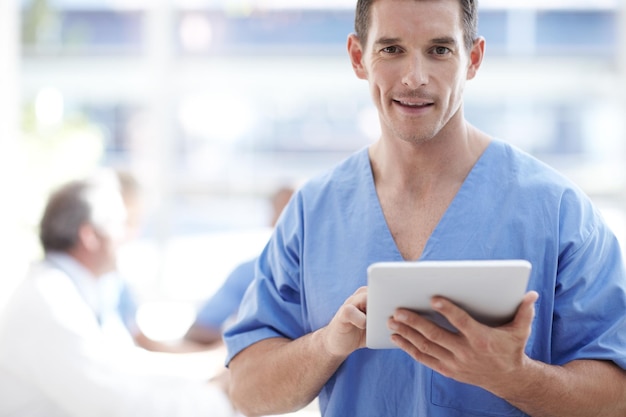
column 444, row 40
column 387, row 41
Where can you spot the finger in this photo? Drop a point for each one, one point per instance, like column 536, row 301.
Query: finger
column 417, row 346
column 353, row 315
column 425, row 335
column 526, row 311
column 361, row 290
column 458, row 317
column 425, row 359
column 359, row 294
column 358, row 299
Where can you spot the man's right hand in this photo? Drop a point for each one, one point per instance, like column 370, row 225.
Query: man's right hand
column 346, row 331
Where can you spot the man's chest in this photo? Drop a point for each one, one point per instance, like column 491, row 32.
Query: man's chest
column 412, row 222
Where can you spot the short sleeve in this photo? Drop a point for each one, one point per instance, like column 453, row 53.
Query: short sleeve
column 272, row 305
column 590, row 297
column 225, row 302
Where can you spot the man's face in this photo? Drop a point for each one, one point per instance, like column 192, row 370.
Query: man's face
column 417, row 65
column 111, row 228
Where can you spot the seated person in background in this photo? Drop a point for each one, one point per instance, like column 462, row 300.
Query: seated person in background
column 215, row 312
column 64, row 350
column 127, row 303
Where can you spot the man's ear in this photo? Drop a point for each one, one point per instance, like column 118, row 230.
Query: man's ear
column 355, row 50
column 88, row 237
column 476, row 57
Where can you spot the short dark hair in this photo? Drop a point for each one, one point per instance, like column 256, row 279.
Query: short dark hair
column 79, row 202
column 469, row 9
column 66, row 211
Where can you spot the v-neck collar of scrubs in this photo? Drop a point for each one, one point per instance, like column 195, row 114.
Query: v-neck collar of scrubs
column 460, row 208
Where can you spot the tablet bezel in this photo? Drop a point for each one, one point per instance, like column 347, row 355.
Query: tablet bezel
column 490, row 290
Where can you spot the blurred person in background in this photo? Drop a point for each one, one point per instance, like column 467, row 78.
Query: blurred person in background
column 64, row 349
column 432, row 187
column 127, row 299
column 216, row 312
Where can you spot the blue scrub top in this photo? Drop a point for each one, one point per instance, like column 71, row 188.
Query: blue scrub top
column 511, row 206
column 225, row 302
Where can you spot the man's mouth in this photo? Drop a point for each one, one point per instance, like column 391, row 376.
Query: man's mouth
column 416, row 105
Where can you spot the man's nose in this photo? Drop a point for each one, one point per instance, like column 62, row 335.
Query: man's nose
column 416, row 73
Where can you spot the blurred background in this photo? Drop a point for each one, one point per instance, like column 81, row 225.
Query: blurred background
column 213, row 104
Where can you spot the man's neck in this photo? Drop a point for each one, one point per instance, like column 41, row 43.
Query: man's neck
column 88, row 261
column 424, row 167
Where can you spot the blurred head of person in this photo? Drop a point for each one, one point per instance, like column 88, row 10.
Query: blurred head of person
column 86, row 219
column 133, row 201
column 279, row 200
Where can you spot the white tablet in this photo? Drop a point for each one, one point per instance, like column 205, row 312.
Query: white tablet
column 489, row 290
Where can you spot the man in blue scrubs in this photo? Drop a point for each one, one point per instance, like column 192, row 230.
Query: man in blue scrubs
column 432, row 187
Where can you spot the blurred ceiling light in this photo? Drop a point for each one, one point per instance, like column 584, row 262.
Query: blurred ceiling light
column 222, row 117
column 49, row 107
column 196, row 33
column 99, row 4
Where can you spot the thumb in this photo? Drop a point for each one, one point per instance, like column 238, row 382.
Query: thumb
column 526, row 311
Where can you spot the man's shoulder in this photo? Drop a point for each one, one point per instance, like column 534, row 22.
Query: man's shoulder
column 343, row 174
column 41, row 282
column 527, row 167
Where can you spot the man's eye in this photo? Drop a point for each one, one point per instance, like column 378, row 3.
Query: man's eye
column 391, row 50
column 441, row 50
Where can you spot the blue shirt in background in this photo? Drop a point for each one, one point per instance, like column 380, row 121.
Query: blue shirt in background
column 225, row 302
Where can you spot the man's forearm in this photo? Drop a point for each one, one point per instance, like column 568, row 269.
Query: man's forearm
column 280, row 375
column 578, row 389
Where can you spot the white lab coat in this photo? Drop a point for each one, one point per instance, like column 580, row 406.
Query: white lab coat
column 57, row 360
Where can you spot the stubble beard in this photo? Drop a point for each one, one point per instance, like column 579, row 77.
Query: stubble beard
column 416, row 133
column 415, row 130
